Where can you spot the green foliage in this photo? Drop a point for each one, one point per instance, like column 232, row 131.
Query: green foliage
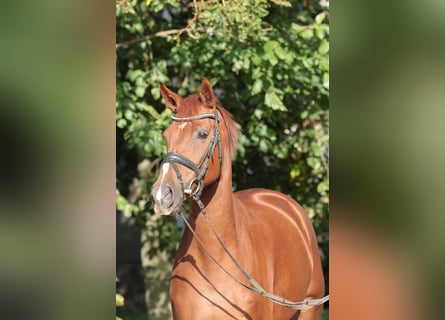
column 269, row 64
column 120, row 302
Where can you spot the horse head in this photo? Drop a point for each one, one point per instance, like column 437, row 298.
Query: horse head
column 194, row 151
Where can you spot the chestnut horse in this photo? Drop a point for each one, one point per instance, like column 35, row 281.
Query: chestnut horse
column 243, row 250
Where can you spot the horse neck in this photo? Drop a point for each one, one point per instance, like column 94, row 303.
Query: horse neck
column 218, row 201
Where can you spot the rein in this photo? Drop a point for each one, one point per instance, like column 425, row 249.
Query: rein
column 173, row 158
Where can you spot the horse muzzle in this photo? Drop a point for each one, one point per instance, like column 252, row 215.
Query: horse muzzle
column 165, row 199
column 167, row 195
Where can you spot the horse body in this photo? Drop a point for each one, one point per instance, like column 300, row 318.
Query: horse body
column 269, row 234
column 274, row 242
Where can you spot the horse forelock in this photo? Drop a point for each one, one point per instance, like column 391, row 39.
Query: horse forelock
column 190, row 106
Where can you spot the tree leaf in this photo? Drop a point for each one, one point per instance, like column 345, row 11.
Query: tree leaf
column 257, row 86
column 271, row 100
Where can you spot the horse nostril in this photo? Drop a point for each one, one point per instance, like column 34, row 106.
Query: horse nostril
column 167, row 197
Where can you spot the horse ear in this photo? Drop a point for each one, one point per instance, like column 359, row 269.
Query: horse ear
column 206, row 94
column 171, row 99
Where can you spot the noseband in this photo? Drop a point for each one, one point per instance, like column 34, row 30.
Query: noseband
column 200, row 170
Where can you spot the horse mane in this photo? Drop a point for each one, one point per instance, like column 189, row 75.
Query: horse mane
column 233, row 129
column 189, row 108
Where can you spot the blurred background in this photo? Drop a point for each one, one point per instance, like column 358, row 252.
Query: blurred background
column 387, row 213
column 57, row 151
column 268, row 62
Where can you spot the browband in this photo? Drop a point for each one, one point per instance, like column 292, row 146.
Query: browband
column 198, row 117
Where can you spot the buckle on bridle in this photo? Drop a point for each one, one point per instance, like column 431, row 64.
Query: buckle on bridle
column 199, row 186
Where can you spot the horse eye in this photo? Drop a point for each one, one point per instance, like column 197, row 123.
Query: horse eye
column 202, row 135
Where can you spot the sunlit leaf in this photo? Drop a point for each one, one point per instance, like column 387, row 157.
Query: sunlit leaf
column 120, row 301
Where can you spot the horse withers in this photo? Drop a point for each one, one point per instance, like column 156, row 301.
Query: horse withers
column 243, row 250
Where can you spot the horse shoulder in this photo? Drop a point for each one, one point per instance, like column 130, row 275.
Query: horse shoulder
column 280, row 235
column 272, row 208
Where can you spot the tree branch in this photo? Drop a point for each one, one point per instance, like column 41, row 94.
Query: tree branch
column 160, row 34
column 163, row 34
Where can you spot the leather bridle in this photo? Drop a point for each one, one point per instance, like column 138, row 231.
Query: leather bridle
column 200, row 170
